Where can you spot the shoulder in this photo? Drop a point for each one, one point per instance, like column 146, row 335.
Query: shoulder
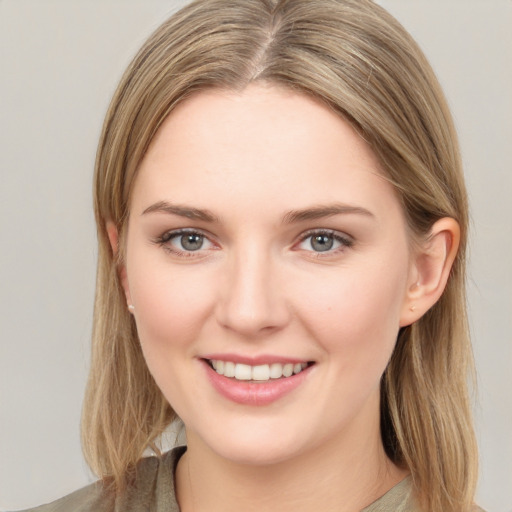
column 153, row 484
column 397, row 499
column 92, row 497
column 401, row 499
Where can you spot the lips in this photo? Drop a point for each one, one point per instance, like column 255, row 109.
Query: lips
column 260, row 383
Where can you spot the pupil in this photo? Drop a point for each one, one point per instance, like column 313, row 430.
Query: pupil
column 192, row 242
column 322, row 243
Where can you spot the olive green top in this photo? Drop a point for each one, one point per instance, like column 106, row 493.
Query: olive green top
column 153, row 491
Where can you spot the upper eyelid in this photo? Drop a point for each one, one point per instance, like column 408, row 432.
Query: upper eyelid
column 175, row 232
column 325, row 231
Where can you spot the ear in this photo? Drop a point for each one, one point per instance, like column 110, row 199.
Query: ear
column 430, row 269
column 113, row 236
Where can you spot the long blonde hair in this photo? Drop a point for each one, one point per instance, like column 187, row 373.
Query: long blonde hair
column 353, row 56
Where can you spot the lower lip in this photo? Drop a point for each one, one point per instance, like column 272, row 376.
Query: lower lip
column 255, row 393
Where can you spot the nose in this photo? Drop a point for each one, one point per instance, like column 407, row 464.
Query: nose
column 252, row 299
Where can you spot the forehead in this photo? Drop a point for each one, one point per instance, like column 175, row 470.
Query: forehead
column 264, row 143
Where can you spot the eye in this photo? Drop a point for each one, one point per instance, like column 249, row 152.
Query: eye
column 185, row 242
column 190, row 241
column 324, row 242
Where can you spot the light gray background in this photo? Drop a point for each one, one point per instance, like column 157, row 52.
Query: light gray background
column 59, row 63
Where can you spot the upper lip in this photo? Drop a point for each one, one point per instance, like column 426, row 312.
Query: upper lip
column 255, row 360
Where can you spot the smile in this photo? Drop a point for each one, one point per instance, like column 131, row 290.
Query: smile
column 260, row 373
column 256, row 384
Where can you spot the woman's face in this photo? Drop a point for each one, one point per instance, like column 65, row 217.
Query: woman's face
column 264, row 240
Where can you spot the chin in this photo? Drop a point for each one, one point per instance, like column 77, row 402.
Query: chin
column 254, row 445
column 264, row 454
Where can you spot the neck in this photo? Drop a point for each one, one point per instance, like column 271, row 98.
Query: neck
column 344, row 475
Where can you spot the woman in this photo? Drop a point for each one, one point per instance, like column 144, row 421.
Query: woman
column 282, row 222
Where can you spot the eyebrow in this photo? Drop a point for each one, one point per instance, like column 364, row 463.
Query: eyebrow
column 315, row 212
column 322, row 211
column 182, row 211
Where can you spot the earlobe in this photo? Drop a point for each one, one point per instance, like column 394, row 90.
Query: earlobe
column 430, row 269
column 113, row 236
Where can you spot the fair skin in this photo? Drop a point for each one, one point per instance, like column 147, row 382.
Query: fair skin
column 295, row 250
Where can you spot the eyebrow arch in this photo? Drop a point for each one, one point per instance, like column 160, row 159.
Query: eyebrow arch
column 321, row 211
column 182, row 211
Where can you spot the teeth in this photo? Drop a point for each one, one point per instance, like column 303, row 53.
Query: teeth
column 262, row 372
column 243, row 372
column 288, row 370
column 229, row 369
column 276, row 371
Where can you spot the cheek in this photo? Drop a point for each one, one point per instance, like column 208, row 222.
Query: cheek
column 171, row 308
column 171, row 303
column 356, row 312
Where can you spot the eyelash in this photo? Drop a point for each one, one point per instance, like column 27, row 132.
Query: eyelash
column 344, row 241
column 168, row 236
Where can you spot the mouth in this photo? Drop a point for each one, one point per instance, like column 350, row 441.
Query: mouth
column 257, row 373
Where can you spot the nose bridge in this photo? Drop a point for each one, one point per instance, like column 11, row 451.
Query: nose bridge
column 252, row 302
